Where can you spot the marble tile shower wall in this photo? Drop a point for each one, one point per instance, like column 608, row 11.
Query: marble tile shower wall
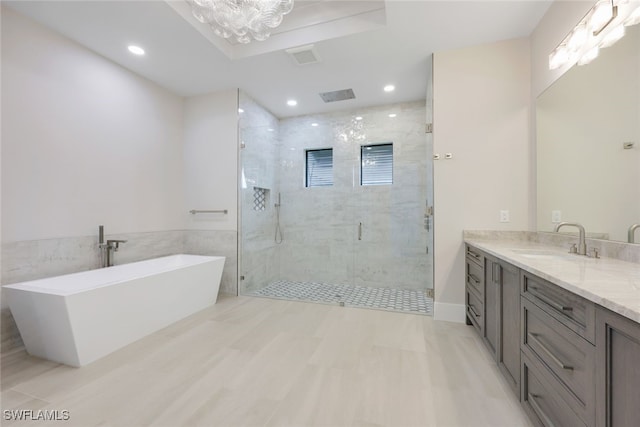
column 321, row 224
column 259, row 169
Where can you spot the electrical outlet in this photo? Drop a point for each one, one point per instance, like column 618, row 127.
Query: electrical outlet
column 504, row 216
column 556, row 217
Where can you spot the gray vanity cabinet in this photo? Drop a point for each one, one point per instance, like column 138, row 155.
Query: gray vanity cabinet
column 474, row 288
column 509, row 349
column 618, row 370
column 502, row 317
column 500, row 306
column 492, row 305
column 571, row 361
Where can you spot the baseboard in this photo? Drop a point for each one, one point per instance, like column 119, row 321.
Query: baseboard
column 449, row 312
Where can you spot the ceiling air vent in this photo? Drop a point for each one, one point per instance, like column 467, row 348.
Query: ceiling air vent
column 338, row 95
column 304, row 55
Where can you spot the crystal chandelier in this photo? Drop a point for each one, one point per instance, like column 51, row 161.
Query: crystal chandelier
column 242, row 20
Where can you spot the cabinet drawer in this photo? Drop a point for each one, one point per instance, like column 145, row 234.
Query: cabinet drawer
column 475, row 277
column 571, row 310
column 475, row 310
column 570, row 357
column 474, row 255
column 540, row 399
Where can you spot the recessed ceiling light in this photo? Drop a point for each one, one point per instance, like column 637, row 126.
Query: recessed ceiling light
column 389, row 88
column 392, row 115
column 136, row 50
column 359, row 118
column 292, row 103
column 240, row 110
column 270, row 130
column 314, row 124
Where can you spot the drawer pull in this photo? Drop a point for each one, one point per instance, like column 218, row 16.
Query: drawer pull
column 532, row 401
column 560, row 363
column 473, row 310
column 473, row 278
column 553, row 304
column 473, row 254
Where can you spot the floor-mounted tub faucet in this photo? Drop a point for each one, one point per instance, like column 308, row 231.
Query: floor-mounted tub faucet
column 107, row 249
column 582, row 246
column 632, row 232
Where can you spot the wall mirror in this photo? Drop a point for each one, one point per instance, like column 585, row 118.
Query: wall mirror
column 588, row 144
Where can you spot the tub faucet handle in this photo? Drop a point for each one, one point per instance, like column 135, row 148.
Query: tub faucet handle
column 115, row 244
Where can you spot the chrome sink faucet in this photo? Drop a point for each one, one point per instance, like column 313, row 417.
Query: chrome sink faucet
column 582, row 246
column 107, row 249
column 631, row 234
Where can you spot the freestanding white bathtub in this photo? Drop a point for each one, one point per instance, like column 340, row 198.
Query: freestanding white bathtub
column 78, row 318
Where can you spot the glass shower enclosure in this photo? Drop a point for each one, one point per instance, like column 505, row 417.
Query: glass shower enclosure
column 335, row 208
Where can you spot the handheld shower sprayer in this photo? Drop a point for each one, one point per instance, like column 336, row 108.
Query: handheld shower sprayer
column 278, row 236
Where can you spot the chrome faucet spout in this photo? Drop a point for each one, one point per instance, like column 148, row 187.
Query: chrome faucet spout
column 582, row 246
column 632, row 232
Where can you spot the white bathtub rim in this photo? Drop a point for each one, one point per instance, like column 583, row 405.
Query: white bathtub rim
column 40, row 285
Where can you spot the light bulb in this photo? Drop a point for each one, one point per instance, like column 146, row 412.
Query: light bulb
column 602, row 14
column 578, row 38
column 558, row 57
column 613, row 36
column 589, row 56
column 633, row 18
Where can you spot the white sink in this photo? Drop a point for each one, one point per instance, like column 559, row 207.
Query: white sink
column 541, row 254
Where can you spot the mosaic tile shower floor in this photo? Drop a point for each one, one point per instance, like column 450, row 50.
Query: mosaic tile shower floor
column 404, row 300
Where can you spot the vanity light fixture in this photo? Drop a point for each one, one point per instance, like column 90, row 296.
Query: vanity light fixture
column 136, row 50
column 600, row 28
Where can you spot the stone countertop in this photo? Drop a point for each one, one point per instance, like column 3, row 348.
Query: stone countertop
column 609, row 282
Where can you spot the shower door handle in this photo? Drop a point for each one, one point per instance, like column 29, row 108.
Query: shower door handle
column 360, row 231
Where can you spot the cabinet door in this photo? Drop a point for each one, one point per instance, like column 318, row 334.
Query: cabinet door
column 492, row 305
column 618, row 370
column 509, row 331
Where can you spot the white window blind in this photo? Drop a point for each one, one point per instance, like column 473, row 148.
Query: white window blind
column 377, row 164
column 319, row 168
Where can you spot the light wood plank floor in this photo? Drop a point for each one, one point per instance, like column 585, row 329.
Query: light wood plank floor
column 261, row 362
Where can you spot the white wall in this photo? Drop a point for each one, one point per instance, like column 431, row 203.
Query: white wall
column 84, row 141
column 211, row 160
column 481, row 116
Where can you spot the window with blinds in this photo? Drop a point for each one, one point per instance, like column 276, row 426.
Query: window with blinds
column 319, row 165
column 377, row 164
